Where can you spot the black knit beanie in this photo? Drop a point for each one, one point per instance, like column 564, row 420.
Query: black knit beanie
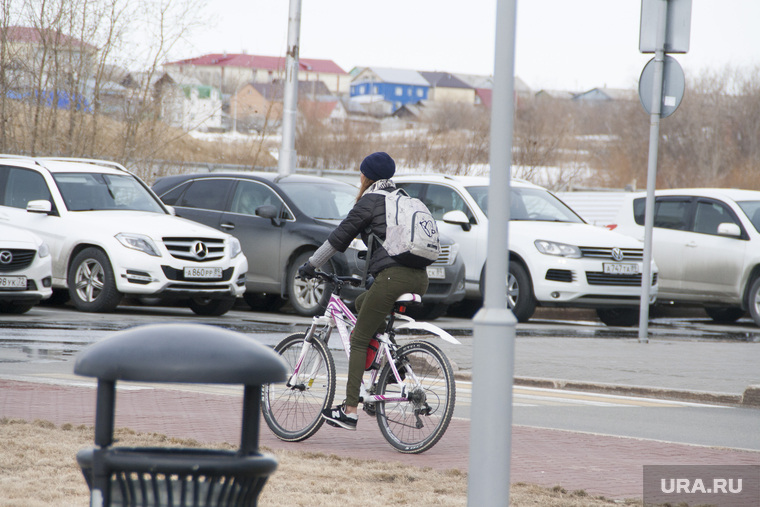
column 378, row 166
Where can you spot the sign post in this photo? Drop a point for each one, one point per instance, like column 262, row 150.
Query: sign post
column 664, row 28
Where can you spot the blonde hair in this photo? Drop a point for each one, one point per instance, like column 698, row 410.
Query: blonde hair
column 365, row 184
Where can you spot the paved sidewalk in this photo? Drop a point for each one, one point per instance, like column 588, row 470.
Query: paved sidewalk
column 600, row 465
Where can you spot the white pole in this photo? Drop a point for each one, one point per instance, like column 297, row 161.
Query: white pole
column 287, row 159
column 494, row 325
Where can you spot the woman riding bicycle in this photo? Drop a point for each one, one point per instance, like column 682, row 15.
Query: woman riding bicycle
column 392, row 279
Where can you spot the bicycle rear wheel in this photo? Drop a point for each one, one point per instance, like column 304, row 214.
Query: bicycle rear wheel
column 294, row 412
column 416, row 425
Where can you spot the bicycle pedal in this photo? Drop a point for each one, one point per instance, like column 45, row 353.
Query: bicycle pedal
column 370, row 409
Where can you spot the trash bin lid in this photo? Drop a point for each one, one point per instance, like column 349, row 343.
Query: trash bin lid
column 191, row 353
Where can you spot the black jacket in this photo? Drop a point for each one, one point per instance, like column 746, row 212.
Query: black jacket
column 368, row 214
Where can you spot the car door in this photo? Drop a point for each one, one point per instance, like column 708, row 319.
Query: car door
column 260, row 238
column 712, row 263
column 20, row 185
column 202, row 200
column 671, row 233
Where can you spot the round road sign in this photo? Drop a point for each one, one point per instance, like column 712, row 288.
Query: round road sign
column 673, row 84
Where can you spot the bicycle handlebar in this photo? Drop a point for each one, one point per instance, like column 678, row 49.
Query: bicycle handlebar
column 352, row 280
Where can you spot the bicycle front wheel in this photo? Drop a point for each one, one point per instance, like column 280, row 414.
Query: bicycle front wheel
column 293, row 409
column 416, row 425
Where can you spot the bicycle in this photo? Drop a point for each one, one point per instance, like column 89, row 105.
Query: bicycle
column 411, row 388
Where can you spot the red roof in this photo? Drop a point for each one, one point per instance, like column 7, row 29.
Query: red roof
column 37, row 36
column 319, row 110
column 261, row 62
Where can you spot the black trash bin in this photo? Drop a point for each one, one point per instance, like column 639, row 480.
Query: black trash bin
column 153, row 476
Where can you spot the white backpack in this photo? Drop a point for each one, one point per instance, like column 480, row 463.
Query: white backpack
column 411, row 234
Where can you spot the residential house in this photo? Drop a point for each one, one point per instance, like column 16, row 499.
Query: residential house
column 37, row 55
column 188, row 104
column 229, row 72
column 605, row 95
column 446, row 87
column 381, row 91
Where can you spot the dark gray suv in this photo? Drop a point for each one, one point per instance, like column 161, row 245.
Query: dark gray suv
column 280, row 221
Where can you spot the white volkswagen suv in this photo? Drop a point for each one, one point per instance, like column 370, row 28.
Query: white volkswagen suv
column 556, row 259
column 110, row 236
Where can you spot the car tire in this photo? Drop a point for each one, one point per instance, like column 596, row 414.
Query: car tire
column 208, row 307
column 308, row 297
column 620, row 317
column 262, row 302
column 429, row 311
column 725, row 314
column 15, row 308
column 753, row 301
column 92, row 287
column 519, row 288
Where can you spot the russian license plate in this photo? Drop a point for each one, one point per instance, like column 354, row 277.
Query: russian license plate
column 12, row 282
column 437, row 273
column 621, row 269
column 203, row 272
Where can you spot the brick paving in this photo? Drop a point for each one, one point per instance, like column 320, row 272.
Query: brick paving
column 598, row 464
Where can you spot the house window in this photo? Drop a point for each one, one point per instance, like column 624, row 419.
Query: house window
column 374, row 90
column 362, row 89
column 419, row 92
column 399, row 91
column 409, row 92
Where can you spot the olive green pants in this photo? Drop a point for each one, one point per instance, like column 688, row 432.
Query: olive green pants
column 374, row 306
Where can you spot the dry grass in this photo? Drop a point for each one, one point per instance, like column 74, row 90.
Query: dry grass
column 39, row 469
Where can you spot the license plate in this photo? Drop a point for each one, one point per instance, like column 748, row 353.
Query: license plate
column 621, row 269
column 12, row 282
column 203, row 272
column 437, row 273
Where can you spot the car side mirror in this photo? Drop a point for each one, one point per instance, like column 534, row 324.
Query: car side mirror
column 39, row 206
column 457, row 217
column 729, row 229
column 268, row 211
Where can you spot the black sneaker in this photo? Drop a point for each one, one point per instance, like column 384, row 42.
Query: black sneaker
column 337, row 417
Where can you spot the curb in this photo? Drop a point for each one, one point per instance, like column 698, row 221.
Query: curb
column 750, row 398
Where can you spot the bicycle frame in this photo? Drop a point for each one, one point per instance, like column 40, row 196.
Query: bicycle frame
column 338, row 315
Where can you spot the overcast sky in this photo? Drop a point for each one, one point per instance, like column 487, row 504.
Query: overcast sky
column 561, row 44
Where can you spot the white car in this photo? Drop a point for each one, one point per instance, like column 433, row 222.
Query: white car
column 706, row 242
column 25, row 270
column 110, row 236
column 556, row 259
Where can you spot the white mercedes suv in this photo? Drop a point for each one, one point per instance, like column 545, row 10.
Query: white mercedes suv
column 110, row 236
column 555, row 258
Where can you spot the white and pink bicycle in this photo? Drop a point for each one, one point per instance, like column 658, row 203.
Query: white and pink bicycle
column 411, row 389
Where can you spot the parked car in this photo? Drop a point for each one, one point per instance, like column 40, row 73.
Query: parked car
column 706, row 242
column 280, row 221
column 25, row 270
column 109, row 236
column 555, row 258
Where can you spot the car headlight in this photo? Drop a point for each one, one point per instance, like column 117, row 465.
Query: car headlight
column 139, row 242
column 235, row 248
column 560, row 249
column 43, row 250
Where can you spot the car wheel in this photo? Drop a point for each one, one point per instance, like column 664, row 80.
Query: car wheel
column 308, row 297
column 622, row 317
column 91, row 282
column 262, row 302
column 14, row 307
column 430, row 311
column 753, row 300
column 211, row 307
column 520, row 297
column 725, row 314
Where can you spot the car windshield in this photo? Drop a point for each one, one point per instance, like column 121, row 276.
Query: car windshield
column 529, row 204
column 329, row 200
column 97, row 191
column 752, row 209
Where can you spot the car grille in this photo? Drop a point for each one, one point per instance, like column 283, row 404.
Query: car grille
column 599, row 278
column 20, row 259
column 444, row 259
column 195, row 249
column 559, row 275
column 629, row 254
